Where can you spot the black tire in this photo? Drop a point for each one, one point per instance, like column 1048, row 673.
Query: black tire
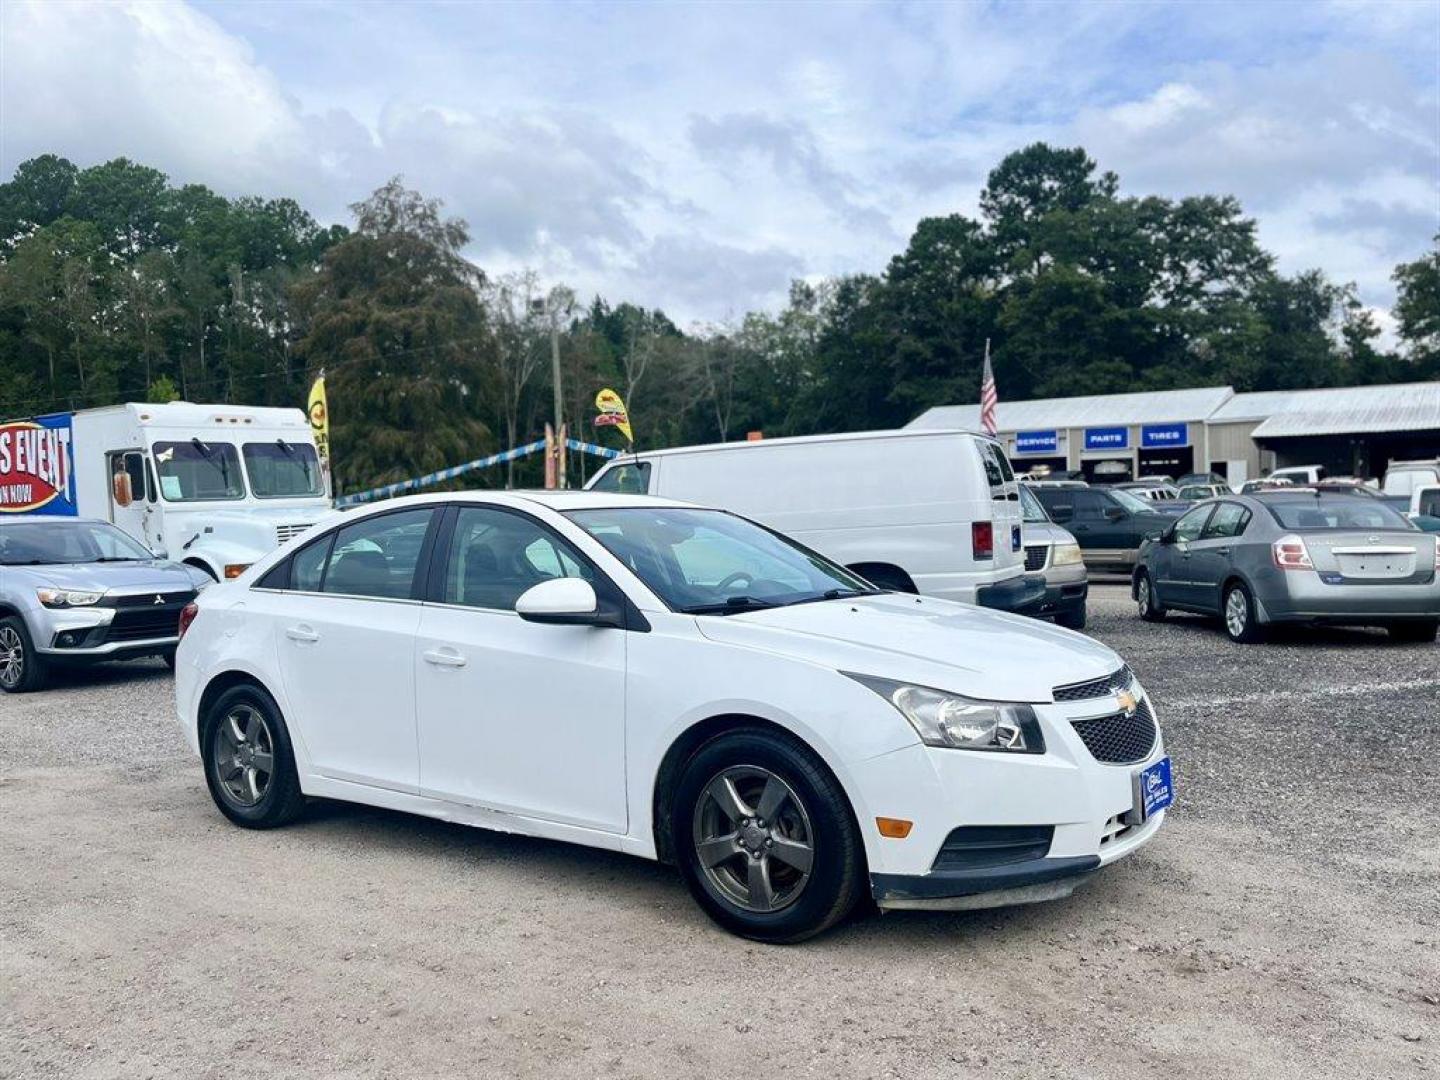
column 887, row 577
column 1420, row 630
column 1242, row 627
column 169, row 657
column 1072, row 620
column 1147, row 600
column 280, row 801
column 16, row 648
column 815, row 805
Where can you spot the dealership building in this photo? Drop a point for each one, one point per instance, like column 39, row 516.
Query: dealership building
column 1355, row 430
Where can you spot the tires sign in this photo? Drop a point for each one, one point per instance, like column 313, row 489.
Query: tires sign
column 36, row 467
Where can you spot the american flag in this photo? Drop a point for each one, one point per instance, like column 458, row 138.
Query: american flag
column 988, row 396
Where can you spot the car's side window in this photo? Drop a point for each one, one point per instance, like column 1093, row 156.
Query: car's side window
column 632, row 478
column 496, row 556
column 376, row 556
column 1091, row 505
column 1228, row 520
column 1190, row 527
column 308, row 565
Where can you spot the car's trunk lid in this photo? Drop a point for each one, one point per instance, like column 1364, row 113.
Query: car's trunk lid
column 1380, row 556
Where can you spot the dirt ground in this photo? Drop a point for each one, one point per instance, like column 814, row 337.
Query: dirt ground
column 1286, row 923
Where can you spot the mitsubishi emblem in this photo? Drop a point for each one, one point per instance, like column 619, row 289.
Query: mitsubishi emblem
column 158, row 599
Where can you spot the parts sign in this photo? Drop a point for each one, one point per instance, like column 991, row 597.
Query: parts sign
column 36, row 467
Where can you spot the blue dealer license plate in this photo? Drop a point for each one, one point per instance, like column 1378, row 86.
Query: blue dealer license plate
column 1153, row 789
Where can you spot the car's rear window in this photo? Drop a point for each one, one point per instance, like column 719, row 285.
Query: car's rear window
column 1336, row 512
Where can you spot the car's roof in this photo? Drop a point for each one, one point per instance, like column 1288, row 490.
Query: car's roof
column 554, row 500
column 800, row 440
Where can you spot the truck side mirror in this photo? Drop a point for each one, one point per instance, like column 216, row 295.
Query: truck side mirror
column 120, row 489
column 1115, row 513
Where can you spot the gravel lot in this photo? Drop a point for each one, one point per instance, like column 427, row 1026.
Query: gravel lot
column 1286, row 923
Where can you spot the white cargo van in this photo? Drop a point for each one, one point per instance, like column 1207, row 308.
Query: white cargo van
column 935, row 512
column 214, row 486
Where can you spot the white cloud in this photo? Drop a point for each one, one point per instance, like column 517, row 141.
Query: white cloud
column 696, row 156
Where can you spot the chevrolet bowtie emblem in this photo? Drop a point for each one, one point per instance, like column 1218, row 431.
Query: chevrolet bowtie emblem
column 1126, row 700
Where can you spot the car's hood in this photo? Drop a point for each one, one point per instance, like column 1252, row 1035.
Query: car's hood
column 939, row 643
column 1046, row 532
column 122, row 577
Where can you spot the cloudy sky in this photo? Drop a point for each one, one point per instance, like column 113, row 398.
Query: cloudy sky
column 699, row 156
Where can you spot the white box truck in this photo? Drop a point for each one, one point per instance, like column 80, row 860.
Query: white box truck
column 936, row 512
column 215, row 486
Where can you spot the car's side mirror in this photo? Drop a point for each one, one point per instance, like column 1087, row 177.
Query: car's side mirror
column 566, row 601
column 1115, row 513
column 121, row 490
column 1168, row 536
column 1061, row 513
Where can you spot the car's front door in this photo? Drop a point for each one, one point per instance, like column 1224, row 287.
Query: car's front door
column 345, row 632
column 1174, row 575
column 522, row 717
column 1211, row 556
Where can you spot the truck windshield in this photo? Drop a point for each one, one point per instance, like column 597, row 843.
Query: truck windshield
column 281, row 469
column 1034, row 512
column 708, row 562
column 1133, row 503
column 197, row 471
column 35, row 543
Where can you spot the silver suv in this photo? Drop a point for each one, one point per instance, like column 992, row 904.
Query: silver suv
column 1052, row 550
column 74, row 591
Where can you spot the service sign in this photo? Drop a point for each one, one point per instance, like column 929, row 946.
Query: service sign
column 1155, row 436
column 36, row 474
column 1107, row 438
column 1037, row 442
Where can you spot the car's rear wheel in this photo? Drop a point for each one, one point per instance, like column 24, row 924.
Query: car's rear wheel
column 22, row 669
column 765, row 837
column 1072, row 620
column 1146, row 602
column 1418, row 630
column 249, row 764
column 1237, row 611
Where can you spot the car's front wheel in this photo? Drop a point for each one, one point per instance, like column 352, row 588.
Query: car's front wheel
column 249, row 765
column 22, row 669
column 1146, row 602
column 1238, row 613
column 765, row 837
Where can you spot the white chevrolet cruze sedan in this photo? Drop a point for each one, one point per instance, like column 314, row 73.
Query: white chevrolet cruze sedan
column 677, row 683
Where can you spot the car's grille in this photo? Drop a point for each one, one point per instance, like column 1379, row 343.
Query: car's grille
column 288, row 532
column 1120, row 739
column 139, row 618
column 1035, row 556
column 972, row 846
column 1095, row 688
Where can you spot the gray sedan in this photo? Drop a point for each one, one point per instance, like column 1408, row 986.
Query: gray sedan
column 1299, row 556
column 75, row 591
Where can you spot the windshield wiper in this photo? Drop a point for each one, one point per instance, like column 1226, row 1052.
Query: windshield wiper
column 838, row 594
column 286, row 447
column 120, row 558
column 731, row 606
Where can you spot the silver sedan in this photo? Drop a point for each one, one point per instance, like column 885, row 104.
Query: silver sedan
column 1296, row 556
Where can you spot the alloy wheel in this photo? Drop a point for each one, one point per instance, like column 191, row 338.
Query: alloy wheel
column 1237, row 612
column 753, row 839
column 12, row 657
column 244, row 755
column 1142, row 591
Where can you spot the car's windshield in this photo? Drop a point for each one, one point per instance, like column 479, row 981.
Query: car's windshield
column 1337, row 512
column 1131, row 502
column 1030, row 505
column 196, row 471
column 48, row 542
column 708, row 561
column 283, row 469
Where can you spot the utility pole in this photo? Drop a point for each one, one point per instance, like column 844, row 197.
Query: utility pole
column 558, row 297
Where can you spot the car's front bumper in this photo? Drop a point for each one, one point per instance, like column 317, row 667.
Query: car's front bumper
column 1089, row 805
column 118, row 627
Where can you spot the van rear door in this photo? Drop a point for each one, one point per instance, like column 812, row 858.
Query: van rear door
column 1004, row 503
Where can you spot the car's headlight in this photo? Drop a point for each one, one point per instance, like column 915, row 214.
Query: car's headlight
column 961, row 723
column 1066, row 555
column 56, row 598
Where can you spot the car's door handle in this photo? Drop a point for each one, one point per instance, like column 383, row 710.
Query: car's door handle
column 1222, row 551
column 444, row 658
column 301, row 633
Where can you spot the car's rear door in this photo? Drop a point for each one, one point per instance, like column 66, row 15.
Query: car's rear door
column 521, row 717
column 345, row 631
column 1212, row 555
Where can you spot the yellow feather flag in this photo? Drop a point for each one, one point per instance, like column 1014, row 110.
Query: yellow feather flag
column 319, row 412
column 612, row 413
